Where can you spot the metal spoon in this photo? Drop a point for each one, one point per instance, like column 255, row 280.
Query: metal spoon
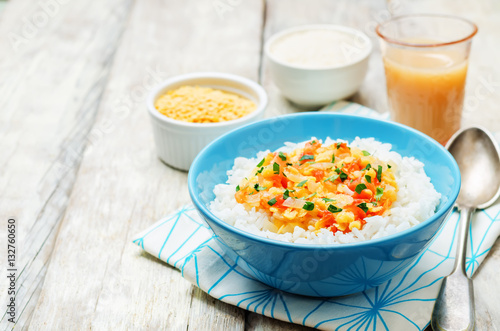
column 477, row 155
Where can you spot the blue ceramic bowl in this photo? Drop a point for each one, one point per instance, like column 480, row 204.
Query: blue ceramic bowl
column 322, row 270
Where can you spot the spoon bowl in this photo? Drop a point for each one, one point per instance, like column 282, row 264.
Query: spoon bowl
column 477, row 156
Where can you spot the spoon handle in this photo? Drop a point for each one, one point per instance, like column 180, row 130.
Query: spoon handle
column 454, row 307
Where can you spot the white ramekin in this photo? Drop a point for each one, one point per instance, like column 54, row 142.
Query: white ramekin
column 315, row 87
column 178, row 142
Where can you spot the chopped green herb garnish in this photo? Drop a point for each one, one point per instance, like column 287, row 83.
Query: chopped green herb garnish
column 365, row 153
column 313, row 142
column 289, row 164
column 363, row 207
column 282, row 156
column 286, row 194
column 237, row 188
column 334, row 209
column 360, row 188
column 302, row 183
column 261, row 162
column 309, row 196
column 343, row 176
column 259, row 171
column 306, row 157
column 272, row 202
column 332, row 178
column 337, row 170
column 389, row 166
column 276, row 168
column 257, row 187
column 338, row 145
column 328, row 200
column 368, row 167
column 368, row 178
column 333, row 158
column 308, row 205
column 380, row 192
column 379, row 173
column 374, row 203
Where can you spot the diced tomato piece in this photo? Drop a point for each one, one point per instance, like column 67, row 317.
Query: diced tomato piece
column 279, row 202
column 353, row 166
column 279, row 181
column 358, row 212
column 284, row 182
column 353, row 184
column 318, row 173
column 326, row 220
column 363, row 195
column 309, row 148
column 371, row 187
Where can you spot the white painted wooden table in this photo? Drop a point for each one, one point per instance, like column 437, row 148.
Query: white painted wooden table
column 78, row 169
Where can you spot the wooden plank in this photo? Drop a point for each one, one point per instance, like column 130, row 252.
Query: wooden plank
column 53, row 74
column 97, row 278
column 257, row 322
column 207, row 313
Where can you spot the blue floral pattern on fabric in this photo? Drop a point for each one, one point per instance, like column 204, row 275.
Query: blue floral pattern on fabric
column 184, row 241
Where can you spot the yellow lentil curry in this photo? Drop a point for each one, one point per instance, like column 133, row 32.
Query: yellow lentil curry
column 334, row 187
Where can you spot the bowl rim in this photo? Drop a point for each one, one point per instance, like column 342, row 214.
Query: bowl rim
column 274, row 242
column 258, row 89
column 336, row 27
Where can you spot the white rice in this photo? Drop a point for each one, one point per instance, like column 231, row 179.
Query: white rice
column 416, row 200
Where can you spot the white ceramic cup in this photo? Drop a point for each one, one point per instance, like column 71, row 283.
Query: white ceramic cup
column 316, row 87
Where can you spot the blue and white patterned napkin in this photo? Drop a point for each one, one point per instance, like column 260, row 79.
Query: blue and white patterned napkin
column 186, row 242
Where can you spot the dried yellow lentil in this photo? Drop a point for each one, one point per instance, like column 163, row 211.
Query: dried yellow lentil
column 198, row 104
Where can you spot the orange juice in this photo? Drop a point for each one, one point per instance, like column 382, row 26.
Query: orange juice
column 425, row 88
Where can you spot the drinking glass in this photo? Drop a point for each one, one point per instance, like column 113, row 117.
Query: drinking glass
column 425, row 59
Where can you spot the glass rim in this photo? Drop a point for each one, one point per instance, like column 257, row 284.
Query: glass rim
column 402, row 43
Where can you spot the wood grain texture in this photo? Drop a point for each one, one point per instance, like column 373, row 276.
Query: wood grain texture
column 97, row 278
column 257, row 322
column 53, row 75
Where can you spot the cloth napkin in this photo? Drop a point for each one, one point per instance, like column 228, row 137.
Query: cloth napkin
column 187, row 243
